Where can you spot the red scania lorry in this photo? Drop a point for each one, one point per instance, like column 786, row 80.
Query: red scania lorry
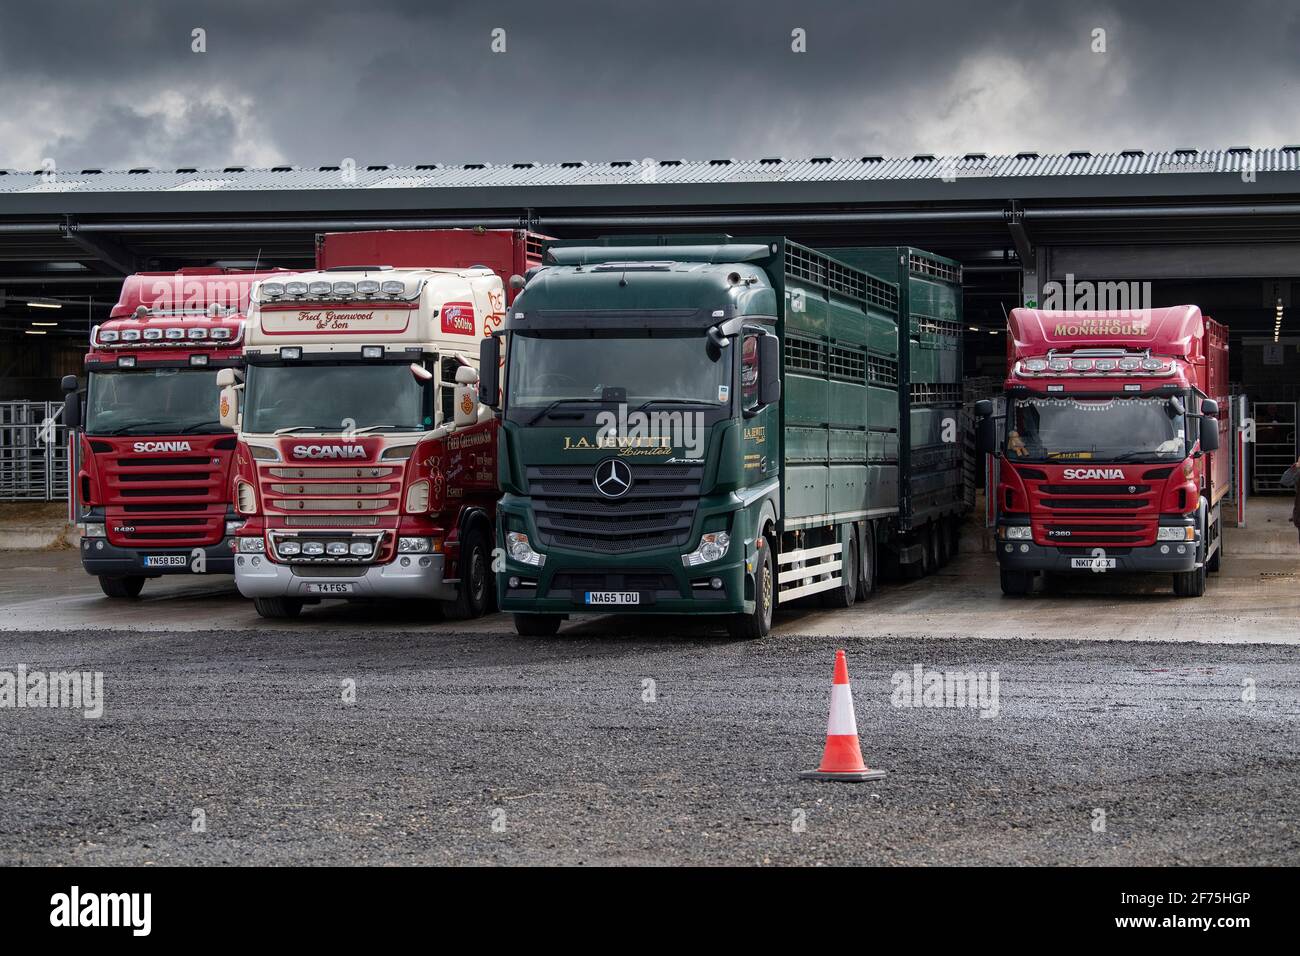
column 151, row 484
column 366, row 467
column 1109, row 460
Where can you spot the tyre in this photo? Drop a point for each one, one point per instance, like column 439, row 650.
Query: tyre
column 126, row 587
column 473, row 598
column 942, row 554
column 847, row 592
column 277, row 607
column 1017, row 583
column 1213, row 565
column 1190, row 583
column 867, row 565
column 537, row 625
column 756, row 625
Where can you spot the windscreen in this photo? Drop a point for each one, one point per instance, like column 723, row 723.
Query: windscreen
column 328, row 398
column 152, row 402
column 1106, row 429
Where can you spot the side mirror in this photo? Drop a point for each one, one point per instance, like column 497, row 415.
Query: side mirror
column 421, row 374
column 986, row 435
column 229, row 406
column 1209, row 433
column 1210, row 407
column 226, row 377
column 984, row 408
column 466, row 399
column 489, row 371
column 68, row 383
column 71, row 406
column 769, row 370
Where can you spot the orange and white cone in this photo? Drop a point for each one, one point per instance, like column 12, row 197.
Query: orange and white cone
column 843, row 757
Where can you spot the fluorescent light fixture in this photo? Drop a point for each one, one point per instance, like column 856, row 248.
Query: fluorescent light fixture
column 34, row 331
column 38, row 304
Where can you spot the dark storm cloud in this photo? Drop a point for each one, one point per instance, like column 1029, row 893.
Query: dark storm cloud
column 117, row 84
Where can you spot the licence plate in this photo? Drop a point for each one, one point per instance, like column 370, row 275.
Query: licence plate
column 166, row 560
column 613, row 597
column 1088, row 564
column 329, row 588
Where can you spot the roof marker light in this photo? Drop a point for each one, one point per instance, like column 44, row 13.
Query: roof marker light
column 295, row 288
column 393, row 287
column 198, row 360
column 273, row 289
column 175, row 334
column 152, row 335
column 318, row 288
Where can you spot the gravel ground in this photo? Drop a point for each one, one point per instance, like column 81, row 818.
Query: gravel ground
column 486, row 748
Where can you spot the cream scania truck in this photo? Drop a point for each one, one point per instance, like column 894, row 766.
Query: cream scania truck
column 365, row 467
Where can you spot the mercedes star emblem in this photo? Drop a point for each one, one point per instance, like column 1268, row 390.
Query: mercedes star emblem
column 613, row 478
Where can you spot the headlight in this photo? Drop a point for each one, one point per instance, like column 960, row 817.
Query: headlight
column 417, row 497
column 232, row 527
column 713, row 547
column 289, row 547
column 313, row 548
column 1176, row 534
column 519, row 548
column 412, row 545
column 251, row 546
column 361, row 548
column 93, row 531
column 336, row 548
column 245, row 499
column 1018, row 532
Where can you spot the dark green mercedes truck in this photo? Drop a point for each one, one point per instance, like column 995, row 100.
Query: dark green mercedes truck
column 708, row 425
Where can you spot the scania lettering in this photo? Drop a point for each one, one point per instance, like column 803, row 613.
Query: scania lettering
column 1141, row 397
column 366, row 467
column 771, row 467
column 158, row 505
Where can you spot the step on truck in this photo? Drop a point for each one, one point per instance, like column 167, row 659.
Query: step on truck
column 152, row 462
column 366, row 467
column 704, row 425
column 1108, row 459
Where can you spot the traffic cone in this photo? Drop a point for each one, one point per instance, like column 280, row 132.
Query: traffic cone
column 843, row 757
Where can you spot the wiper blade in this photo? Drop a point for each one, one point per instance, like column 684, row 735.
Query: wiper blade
column 673, row 401
column 300, row 428
column 188, row 429
column 559, row 401
column 375, row 428
column 124, row 429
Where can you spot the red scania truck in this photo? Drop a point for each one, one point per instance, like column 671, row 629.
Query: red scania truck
column 366, row 467
column 1109, row 458
column 152, row 486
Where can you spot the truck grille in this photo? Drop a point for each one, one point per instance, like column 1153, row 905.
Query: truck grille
column 1095, row 514
column 331, row 490
column 656, row 513
column 155, row 501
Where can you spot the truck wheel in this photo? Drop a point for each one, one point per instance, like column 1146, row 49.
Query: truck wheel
column 277, row 607
column 127, row 587
column 752, row 627
column 475, row 578
column 1190, row 583
column 537, row 625
column 1017, row 583
column 847, row 592
column 867, row 565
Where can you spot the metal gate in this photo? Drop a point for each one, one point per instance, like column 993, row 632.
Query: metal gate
column 33, row 452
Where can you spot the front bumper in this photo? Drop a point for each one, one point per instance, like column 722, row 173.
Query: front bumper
column 99, row 557
column 1028, row 556
column 420, row 577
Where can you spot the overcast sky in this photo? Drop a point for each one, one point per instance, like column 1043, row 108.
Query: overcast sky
column 112, row 84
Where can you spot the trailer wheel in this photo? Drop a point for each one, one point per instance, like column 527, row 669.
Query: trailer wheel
column 847, row 592
column 475, row 578
column 126, row 587
column 756, row 625
column 537, row 625
column 277, row 607
column 1017, row 583
column 867, row 564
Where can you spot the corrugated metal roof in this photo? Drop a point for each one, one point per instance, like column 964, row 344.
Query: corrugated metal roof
column 668, row 172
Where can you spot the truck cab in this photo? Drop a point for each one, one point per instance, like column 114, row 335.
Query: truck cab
column 152, row 462
column 1107, row 462
column 365, row 466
